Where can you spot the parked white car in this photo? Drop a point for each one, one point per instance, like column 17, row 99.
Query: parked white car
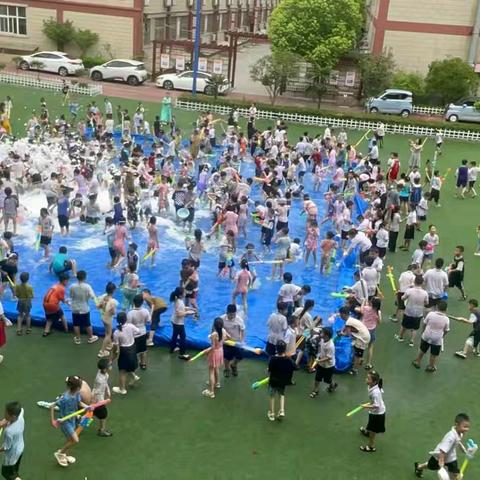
column 56, row 62
column 184, row 81
column 131, row 71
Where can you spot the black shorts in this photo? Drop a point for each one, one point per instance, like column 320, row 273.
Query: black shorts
column 55, row 316
column 344, row 235
column 409, row 232
column 376, row 423
column 363, row 256
column 67, row 266
column 324, row 374
column 434, row 349
column 101, row 412
column 112, row 252
column 281, row 225
column 432, row 302
column 232, row 353
column 455, row 280
column 24, row 306
column 452, row 467
column 44, row 240
column 358, row 352
column 270, row 348
column 403, row 199
column 400, row 303
column 277, row 389
column 156, row 317
column 10, row 472
column 141, row 343
column 422, row 218
column 63, row 221
column 382, row 251
column 81, row 320
column 435, row 195
column 411, row 323
column 91, row 220
column 461, row 183
column 471, row 183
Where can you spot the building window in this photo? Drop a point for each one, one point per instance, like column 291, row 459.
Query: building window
column 182, row 27
column 13, row 20
column 160, row 29
column 211, row 23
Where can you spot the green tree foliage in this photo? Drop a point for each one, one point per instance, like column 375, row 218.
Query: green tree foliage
column 60, row 33
column 85, row 40
column 272, row 71
column 451, row 79
column 412, row 81
column 377, row 73
column 319, row 31
column 214, row 83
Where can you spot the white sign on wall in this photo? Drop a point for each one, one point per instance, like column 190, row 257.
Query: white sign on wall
column 180, row 63
column 218, row 67
column 202, row 64
column 164, row 60
column 350, row 79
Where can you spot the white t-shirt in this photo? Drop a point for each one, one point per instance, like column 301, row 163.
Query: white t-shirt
column 448, row 446
column 125, row 337
column 406, row 280
column 362, row 241
column 288, row 291
column 436, row 281
column 417, row 256
column 376, row 399
column 437, row 324
column 80, row 294
column 139, row 317
column 416, row 298
column 327, row 350
column 277, row 326
column 370, row 275
column 382, row 238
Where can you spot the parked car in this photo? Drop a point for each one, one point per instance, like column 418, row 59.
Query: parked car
column 463, row 111
column 131, row 71
column 57, row 62
column 397, row 102
column 184, row 81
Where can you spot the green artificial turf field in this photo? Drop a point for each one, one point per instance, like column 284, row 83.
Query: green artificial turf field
column 164, row 428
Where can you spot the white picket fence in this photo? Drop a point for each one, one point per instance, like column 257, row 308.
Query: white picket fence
column 25, row 80
column 428, row 110
column 348, row 123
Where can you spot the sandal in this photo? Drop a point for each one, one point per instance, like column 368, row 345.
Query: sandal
column 364, row 432
column 415, row 364
column 313, row 394
column 143, row 366
column 367, row 449
column 28, row 331
column 19, row 332
column 226, row 373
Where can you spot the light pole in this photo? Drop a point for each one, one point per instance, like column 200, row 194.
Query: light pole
column 196, row 45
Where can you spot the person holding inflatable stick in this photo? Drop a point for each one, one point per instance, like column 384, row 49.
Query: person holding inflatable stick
column 376, row 412
column 281, row 369
column 68, row 404
column 444, row 456
column 324, row 364
column 474, row 338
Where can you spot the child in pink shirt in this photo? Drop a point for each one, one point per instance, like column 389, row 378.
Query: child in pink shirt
column 243, row 283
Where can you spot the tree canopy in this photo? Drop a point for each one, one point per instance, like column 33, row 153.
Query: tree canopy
column 320, row 31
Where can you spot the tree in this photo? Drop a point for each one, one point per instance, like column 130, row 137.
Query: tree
column 214, row 83
column 60, row 33
column 319, row 83
column 85, row 39
column 377, row 73
column 272, row 71
column 412, row 81
column 37, row 65
column 451, row 79
column 320, row 31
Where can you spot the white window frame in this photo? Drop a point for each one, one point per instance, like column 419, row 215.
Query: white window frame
column 17, row 17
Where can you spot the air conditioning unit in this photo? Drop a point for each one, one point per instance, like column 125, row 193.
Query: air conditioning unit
column 206, row 38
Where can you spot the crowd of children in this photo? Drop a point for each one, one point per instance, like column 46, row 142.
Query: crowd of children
column 78, row 162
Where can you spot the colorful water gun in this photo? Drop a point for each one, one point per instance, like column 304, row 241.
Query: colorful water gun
column 199, row 354
column 243, row 346
column 339, row 294
column 356, row 410
column 391, row 278
column 85, row 422
column 472, row 448
column 446, row 174
column 260, row 383
column 37, row 238
column 56, row 423
column 149, row 254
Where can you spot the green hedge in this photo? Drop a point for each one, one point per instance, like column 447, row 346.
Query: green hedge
column 89, row 62
column 368, row 117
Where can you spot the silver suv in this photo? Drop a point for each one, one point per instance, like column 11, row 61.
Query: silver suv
column 463, row 111
column 396, row 102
